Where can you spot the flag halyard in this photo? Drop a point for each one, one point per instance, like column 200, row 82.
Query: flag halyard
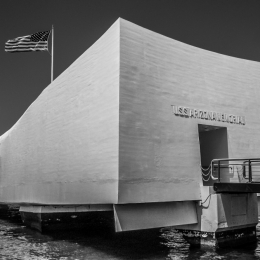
column 34, row 42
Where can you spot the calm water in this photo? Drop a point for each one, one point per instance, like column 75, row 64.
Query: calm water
column 19, row 242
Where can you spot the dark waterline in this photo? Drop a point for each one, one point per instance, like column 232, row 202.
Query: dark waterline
column 20, row 242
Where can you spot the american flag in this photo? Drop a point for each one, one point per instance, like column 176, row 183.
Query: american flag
column 34, row 42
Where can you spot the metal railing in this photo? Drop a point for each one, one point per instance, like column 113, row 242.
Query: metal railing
column 236, row 170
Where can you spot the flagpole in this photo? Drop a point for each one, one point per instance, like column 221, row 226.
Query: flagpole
column 52, row 40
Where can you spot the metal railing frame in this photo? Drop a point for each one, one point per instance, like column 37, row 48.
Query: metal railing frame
column 245, row 161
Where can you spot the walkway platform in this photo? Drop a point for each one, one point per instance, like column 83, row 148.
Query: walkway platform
column 227, row 187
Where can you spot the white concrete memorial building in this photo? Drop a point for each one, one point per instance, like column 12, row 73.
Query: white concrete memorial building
column 133, row 127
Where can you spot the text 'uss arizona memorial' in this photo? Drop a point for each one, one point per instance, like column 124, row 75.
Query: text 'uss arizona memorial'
column 208, row 115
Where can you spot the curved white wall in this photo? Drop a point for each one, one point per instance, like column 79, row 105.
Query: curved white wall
column 64, row 149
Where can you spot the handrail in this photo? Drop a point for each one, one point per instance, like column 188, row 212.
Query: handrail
column 236, row 159
column 246, row 163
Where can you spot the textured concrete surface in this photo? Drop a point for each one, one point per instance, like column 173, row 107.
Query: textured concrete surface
column 159, row 152
column 64, row 149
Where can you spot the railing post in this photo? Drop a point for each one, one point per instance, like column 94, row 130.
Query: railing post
column 218, row 171
column 250, row 171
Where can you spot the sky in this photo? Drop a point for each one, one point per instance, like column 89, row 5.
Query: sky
column 230, row 27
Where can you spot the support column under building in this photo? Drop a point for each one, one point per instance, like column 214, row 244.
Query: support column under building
column 45, row 218
column 223, row 220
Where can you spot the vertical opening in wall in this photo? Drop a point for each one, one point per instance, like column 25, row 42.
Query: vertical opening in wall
column 213, row 145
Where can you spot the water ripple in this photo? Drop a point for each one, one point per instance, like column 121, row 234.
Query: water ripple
column 20, row 243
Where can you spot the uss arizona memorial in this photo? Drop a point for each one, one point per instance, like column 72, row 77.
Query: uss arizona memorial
column 144, row 127
column 208, row 115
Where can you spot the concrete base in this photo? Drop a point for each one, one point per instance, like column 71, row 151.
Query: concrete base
column 4, row 210
column 46, row 218
column 223, row 220
column 9, row 211
column 229, row 238
column 3, row 207
column 64, row 221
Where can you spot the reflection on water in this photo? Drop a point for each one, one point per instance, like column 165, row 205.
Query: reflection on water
column 178, row 248
column 19, row 242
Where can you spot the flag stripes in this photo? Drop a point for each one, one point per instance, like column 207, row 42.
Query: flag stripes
column 34, row 42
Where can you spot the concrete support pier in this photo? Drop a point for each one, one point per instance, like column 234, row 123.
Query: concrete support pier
column 221, row 238
column 45, row 218
column 3, row 210
column 223, row 220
